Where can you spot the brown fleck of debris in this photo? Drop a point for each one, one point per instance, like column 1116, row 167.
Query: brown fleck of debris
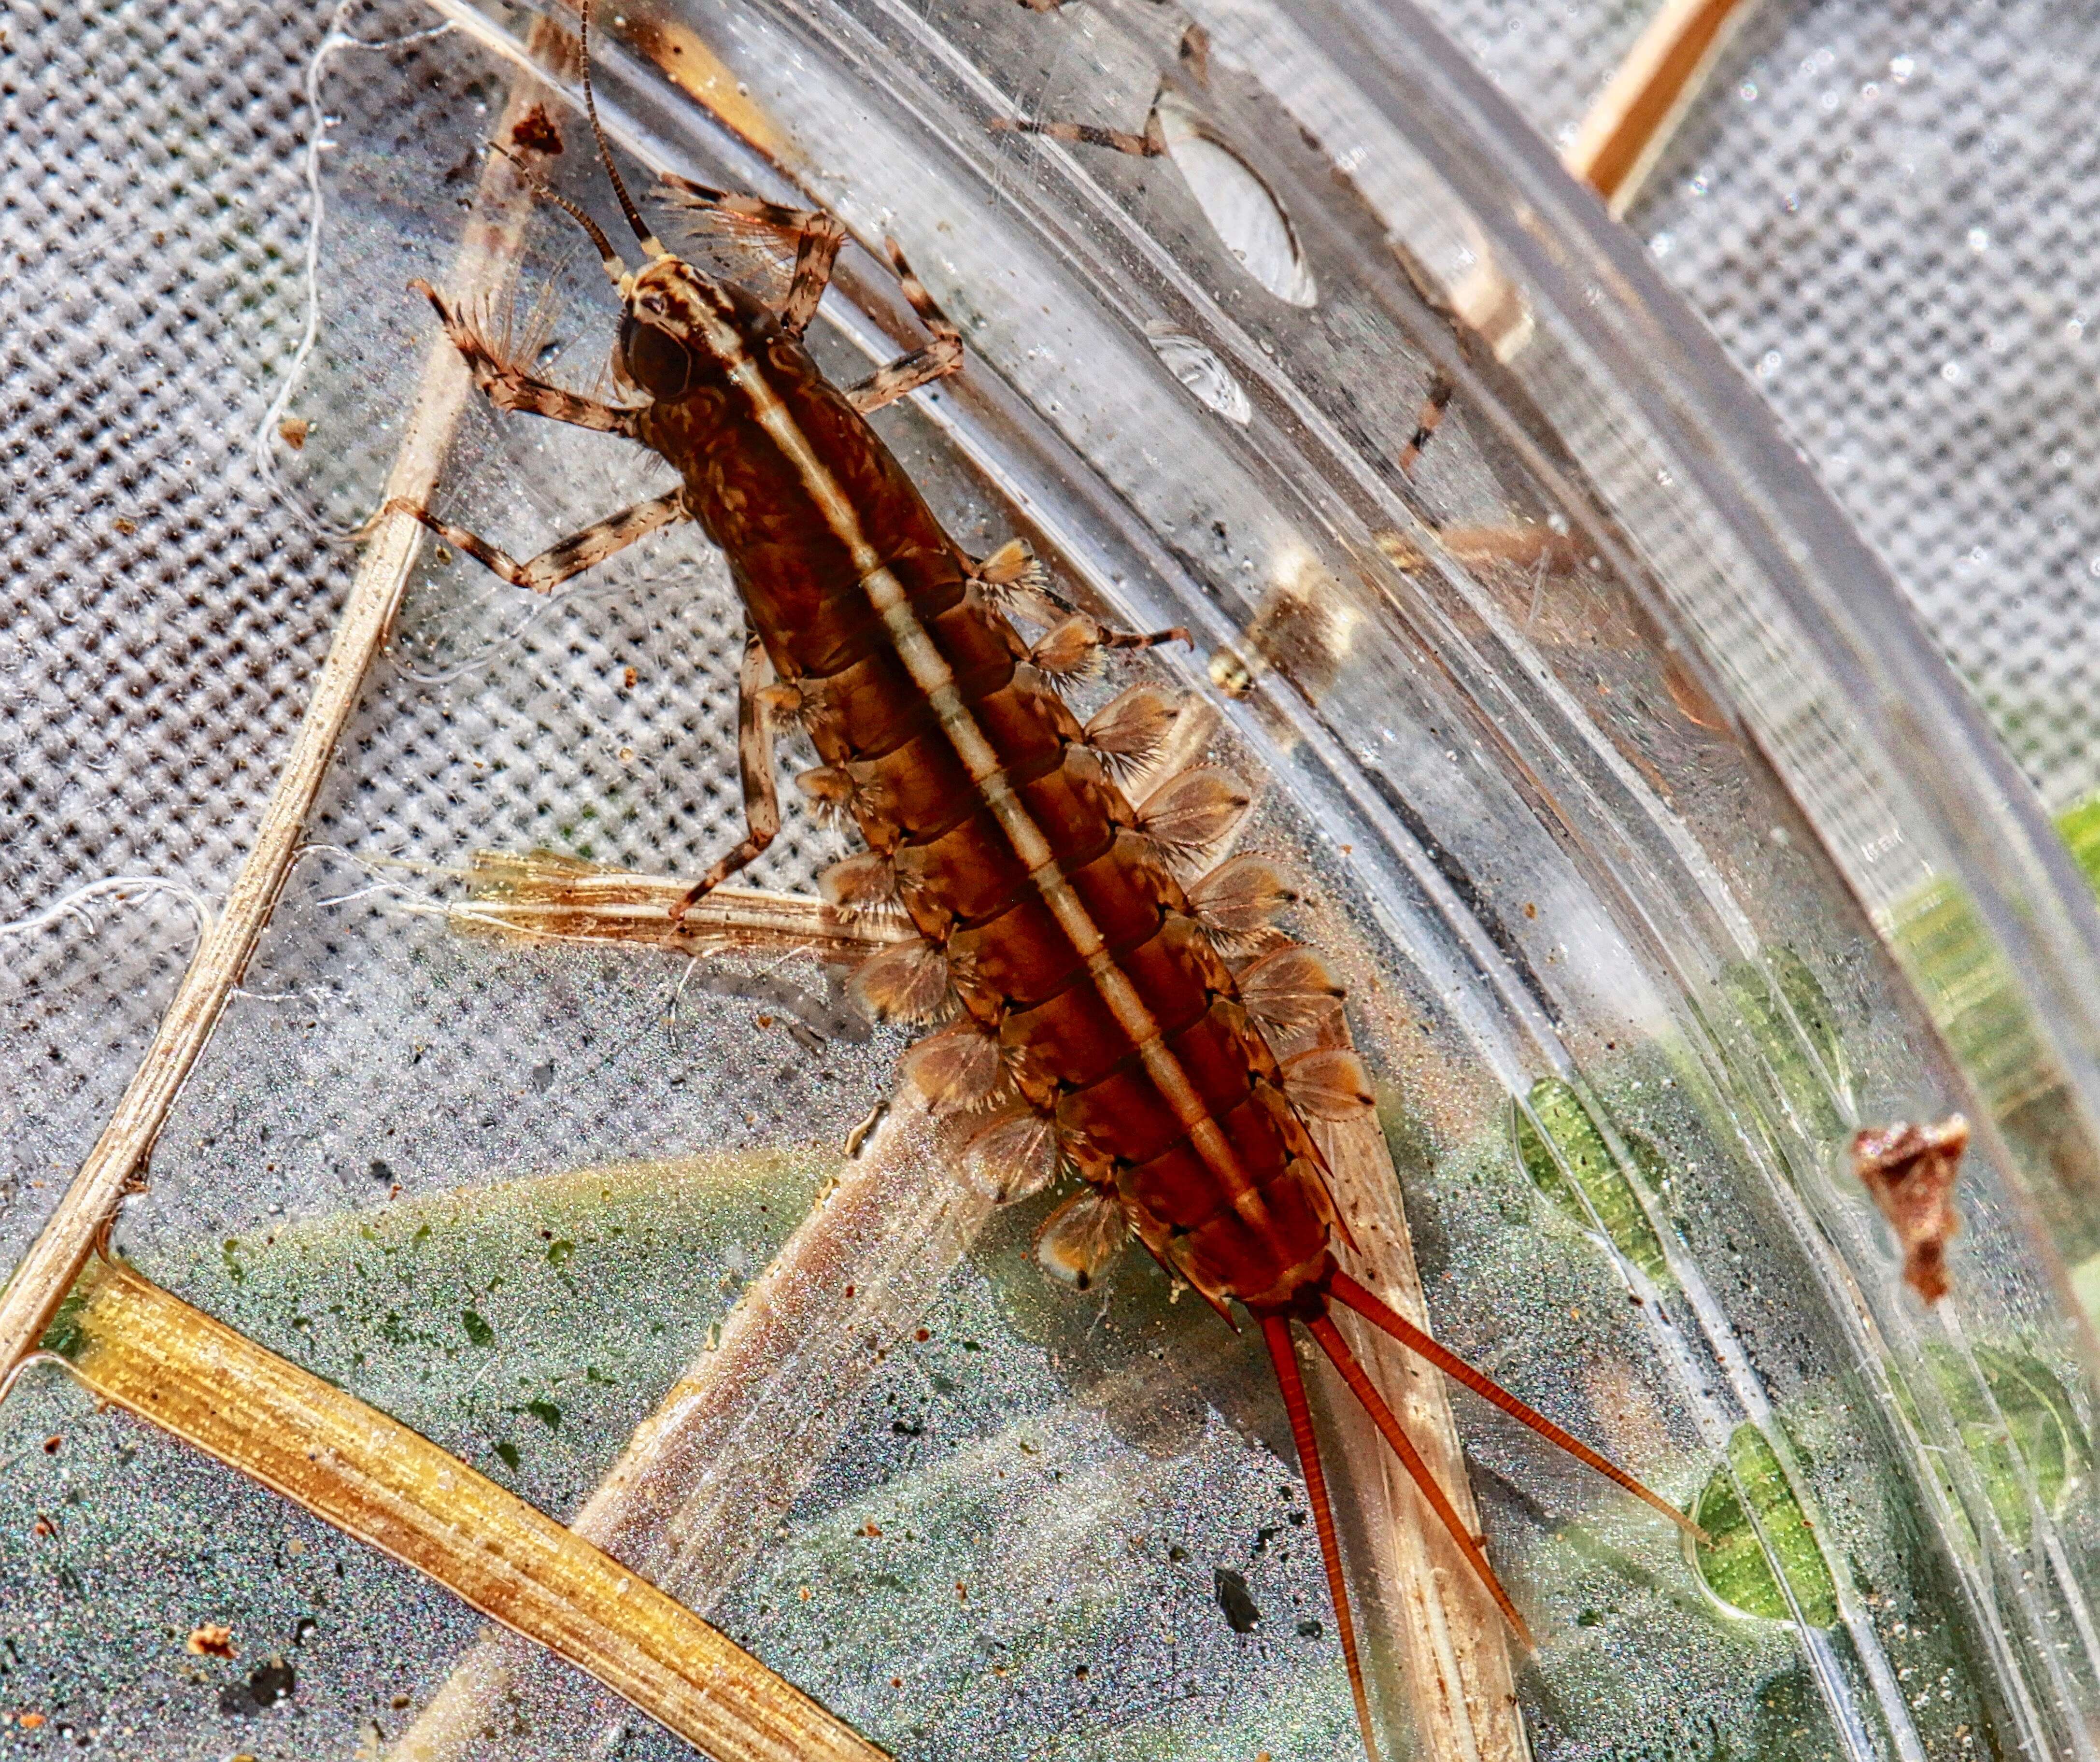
column 31, row 1722
column 213, row 1639
column 127, row 527
column 871, row 1528
column 1196, row 53
column 1229, row 673
column 631, row 677
column 51, row 1444
column 535, row 132
column 1691, row 697
column 293, row 431
column 1909, row 1171
column 1400, row 553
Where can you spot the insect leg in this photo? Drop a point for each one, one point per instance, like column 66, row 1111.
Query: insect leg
column 1441, row 390
column 1276, row 1334
column 816, row 237
column 508, row 387
column 1072, row 649
column 1151, row 144
column 1141, row 638
column 1013, row 579
column 558, row 562
column 942, row 357
column 755, row 699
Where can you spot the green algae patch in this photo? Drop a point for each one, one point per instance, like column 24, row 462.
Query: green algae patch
column 521, row 1325
column 1789, row 1014
column 1565, row 1156
column 2078, row 827
column 2032, row 1451
column 1743, row 1569
column 1974, row 999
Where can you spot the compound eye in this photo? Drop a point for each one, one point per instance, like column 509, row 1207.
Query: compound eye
column 658, row 362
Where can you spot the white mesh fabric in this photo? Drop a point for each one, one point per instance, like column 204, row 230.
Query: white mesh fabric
column 1885, row 214
column 169, row 605
column 164, row 611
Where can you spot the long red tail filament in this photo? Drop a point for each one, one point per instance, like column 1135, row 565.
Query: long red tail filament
column 1403, row 1446
column 1367, row 1304
column 1275, row 1333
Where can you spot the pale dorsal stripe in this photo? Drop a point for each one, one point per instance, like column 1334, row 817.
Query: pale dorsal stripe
column 931, row 674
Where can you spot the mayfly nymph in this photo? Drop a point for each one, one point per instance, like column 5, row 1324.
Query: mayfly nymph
column 1098, row 1006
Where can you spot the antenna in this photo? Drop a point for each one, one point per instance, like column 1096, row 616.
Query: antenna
column 546, row 191
column 649, row 242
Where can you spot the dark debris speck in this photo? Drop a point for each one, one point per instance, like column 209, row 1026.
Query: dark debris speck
column 1231, row 1590
column 267, row 1684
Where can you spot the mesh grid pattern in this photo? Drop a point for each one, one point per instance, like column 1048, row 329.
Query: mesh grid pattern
column 1878, row 215
column 165, row 612
column 165, row 609
column 171, row 605
column 1884, row 214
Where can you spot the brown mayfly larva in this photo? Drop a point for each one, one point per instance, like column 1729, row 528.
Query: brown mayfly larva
column 1088, row 1018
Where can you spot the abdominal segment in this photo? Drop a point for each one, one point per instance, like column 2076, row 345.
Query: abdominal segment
column 1091, row 1019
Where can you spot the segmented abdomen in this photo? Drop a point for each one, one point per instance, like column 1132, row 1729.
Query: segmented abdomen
column 1095, row 1024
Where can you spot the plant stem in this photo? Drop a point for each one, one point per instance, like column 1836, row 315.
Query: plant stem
column 146, row 1351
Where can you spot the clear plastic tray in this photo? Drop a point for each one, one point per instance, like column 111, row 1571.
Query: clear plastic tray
column 1659, row 851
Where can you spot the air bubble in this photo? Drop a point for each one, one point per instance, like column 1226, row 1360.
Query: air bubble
column 1197, row 368
column 1239, row 205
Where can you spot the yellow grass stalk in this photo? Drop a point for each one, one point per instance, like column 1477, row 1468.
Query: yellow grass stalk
column 146, row 1351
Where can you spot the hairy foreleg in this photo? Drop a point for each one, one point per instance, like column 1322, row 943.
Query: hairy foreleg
column 940, row 357
column 758, row 697
column 816, row 235
column 510, row 387
column 558, row 562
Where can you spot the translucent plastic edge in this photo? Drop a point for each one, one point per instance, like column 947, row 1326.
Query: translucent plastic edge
column 1976, row 815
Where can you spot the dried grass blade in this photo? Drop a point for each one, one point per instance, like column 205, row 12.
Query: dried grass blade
column 146, row 1351
column 1453, row 1647
column 540, row 897
column 1628, row 127
column 487, row 262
